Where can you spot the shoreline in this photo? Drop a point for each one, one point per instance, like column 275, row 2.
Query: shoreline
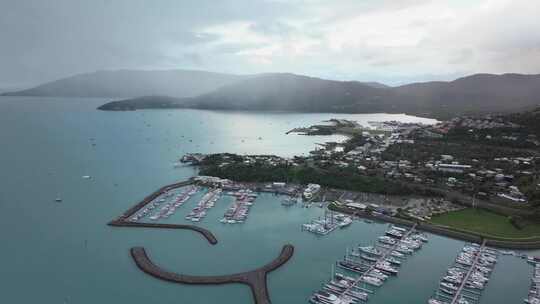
column 468, row 236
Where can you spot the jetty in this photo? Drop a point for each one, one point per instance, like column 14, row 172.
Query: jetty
column 373, row 264
column 466, row 279
column 256, row 279
column 461, row 287
column 383, row 257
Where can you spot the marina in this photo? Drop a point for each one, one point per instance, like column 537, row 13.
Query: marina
column 466, row 279
column 534, row 291
column 239, row 210
column 328, row 223
column 368, row 267
column 207, row 201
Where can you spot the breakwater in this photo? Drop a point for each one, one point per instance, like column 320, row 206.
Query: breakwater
column 255, row 279
column 205, row 232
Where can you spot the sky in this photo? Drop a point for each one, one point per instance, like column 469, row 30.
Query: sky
column 390, row 41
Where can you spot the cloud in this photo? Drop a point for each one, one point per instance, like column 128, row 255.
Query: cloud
column 384, row 40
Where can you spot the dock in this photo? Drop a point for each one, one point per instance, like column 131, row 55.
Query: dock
column 465, row 280
column 123, row 220
column 457, row 296
column 128, row 213
column 256, row 279
column 373, row 265
column 382, row 258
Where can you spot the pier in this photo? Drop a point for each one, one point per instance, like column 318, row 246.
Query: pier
column 382, row 258
column 374, row 266
column 465, row 280
column 255, row 279
column 457, row 296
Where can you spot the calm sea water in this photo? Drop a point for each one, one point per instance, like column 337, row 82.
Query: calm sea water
column 64, row 252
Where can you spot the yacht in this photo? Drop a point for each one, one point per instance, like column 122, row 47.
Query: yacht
column 371, row 281
column 370, row 250
column 386, row 268
column 326, row 297
column 449, row 286
column 434, row 301
column 368, row 258
column 397, row 254
column 387, row 240
column 394, row 261
column 394, row 233
column 345, row 222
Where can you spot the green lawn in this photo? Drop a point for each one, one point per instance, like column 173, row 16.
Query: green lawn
column 485, row 222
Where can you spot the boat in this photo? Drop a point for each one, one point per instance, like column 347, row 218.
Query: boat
column 394, row 233
column 450, row 286
column 386, row 268
column 371, row 281
column 345, row 222
column 435, row 301
column 378, row 274
column 360, row 295
column 448, row 291
column 397, row 254
column 420, row 236
column 404, row 249
column 462, row 301
column 387, row 240
column 370, row 250
column 392, row 260
column 398, row 228
column 351, row 266
column 368, row 258
column 326, row 297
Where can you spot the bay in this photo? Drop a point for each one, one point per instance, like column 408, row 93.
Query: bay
column 65, row 253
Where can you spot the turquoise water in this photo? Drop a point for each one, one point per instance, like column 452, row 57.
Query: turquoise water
column 64, row 252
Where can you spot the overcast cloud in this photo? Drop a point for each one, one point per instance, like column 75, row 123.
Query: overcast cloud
column 389, row 41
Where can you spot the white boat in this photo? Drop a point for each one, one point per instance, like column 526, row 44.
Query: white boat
column 370, row 250
column 371, row 281
column 435, row 301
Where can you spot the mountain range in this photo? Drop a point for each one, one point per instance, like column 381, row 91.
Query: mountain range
column 475, row 94
column 133, row 83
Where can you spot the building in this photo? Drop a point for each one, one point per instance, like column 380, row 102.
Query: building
column 311, row 189
column 452, row 168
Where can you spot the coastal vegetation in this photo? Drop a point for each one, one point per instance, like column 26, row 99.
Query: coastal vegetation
column 332, row 177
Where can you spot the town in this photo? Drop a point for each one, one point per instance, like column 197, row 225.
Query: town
column 431, row 173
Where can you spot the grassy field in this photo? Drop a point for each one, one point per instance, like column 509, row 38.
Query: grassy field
column 485, row 222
